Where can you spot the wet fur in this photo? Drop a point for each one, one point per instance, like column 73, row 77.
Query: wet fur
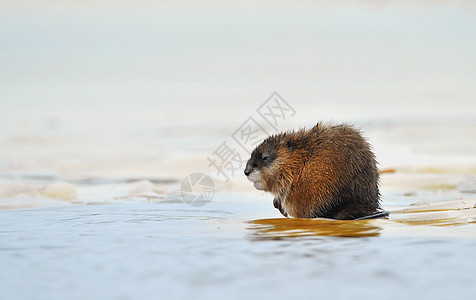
column 327, row 171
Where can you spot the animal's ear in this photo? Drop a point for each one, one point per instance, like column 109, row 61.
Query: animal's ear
column 287, row 141
column 290, row 144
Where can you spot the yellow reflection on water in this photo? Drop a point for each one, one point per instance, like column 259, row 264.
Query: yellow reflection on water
column 459, row 216
column 286, row 228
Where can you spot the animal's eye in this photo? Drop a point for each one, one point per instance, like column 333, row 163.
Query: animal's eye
column 265, row 157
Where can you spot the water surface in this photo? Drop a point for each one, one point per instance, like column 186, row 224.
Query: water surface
column 230, row 249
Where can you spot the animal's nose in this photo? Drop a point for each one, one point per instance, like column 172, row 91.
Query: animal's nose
column 247, row 170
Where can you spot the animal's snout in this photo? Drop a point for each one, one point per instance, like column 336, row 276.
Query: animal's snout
column 247, row 169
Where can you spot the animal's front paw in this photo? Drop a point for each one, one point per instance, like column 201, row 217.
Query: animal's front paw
column 277, row 204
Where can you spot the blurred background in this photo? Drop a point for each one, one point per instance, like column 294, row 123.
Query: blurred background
column 106, row 92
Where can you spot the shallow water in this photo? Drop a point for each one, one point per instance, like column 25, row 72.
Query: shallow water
column 231, row 249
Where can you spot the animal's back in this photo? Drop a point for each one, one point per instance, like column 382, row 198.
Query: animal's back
column 340, row 178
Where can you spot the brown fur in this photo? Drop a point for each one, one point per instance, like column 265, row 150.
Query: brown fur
column 327, row 171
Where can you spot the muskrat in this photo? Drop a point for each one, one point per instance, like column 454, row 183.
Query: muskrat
column 328, row 171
